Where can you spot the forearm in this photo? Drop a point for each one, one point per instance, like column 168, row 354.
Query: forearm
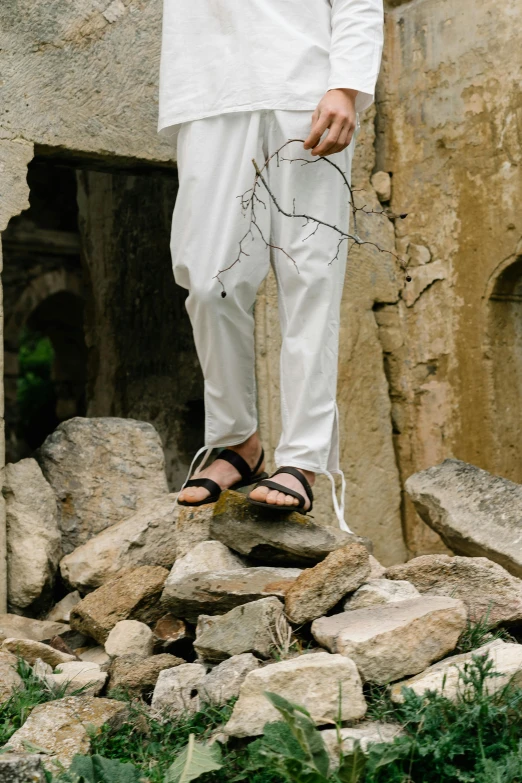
column 356, row 47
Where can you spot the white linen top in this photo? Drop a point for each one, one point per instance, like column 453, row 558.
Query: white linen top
column 221, row 56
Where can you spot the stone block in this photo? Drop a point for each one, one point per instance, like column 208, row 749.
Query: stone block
column 475, row 513
column 224, row 681
column 130, row 637
column 138, row 676
column 148, row 537
column 216, row 592
column 64, row 727
column 488, row 590
column 388, row 642
column 312, row 681
column 61, row 612
column 102, row 470
column 365, row 734
column 381, row 183
column 250, row 628
column 21, row 768
column 319, row 589
column 134, row 595
column 76, row 675
column 380, row 591
column 16, row 626
column 177, row 690
column 30, row 651
column 9, row 677
column 291, row 539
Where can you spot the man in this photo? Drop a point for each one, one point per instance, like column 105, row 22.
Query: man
column 239, row 78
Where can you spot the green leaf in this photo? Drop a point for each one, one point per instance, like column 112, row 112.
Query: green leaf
column 194, row 760
column 352, row 767
column 97, row 769
column 303, row 728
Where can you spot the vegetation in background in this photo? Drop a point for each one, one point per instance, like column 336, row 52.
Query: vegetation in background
column 35, row 390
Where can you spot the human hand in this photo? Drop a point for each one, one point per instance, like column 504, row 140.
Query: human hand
column 335, row 111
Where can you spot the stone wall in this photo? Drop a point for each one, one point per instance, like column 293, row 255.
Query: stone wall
column 450, row 132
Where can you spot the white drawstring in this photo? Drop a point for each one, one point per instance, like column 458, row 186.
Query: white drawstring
column 339, row 507
column 208, row 450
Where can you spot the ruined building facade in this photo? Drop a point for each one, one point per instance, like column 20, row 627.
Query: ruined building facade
column 429, row 368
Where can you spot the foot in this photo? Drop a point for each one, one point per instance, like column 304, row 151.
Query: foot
column 273, row 497
column 222, row 472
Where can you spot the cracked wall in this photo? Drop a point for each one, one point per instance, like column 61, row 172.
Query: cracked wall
column 450, row 132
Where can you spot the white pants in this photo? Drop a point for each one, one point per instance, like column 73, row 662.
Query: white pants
column 215, row 169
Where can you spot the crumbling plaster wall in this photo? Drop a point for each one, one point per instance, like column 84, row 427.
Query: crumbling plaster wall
column 450, row 132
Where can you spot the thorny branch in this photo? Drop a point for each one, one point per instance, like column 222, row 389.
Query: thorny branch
column 251, row 200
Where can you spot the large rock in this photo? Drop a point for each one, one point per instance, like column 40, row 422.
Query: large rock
column 61, row 612
column 64, row 727
column 134, row 595
column 247, row 628
column 102, row 470
column 391, row 641
column 15, row 626
column 366, row 734
column 291, row 539
column 31, row 651
column 148, row 537
column 205, row 556
column 130, row 637
column 224, row 681
column 312, row 681
column 21, row 768
column 33, row 535
column 177, row 690
column 216, row 592
column 137, row 676
column 76, row 676
column 475, row 513
column 319, row 589
column 443, row 677
column 9, row 677
column 487, row 589
column 192, row 527
column 380, row 591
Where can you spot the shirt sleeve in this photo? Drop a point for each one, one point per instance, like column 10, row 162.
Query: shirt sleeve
column 356, row 48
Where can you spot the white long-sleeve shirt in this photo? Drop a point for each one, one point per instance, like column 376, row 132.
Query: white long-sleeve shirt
column 221, row 56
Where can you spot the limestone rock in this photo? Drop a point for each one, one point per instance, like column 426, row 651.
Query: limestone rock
column 418, row 254
column 376, row 569
column 216, row 592
column 381, row 591
column 15, row 626
column 366, row 734
column 312, row 681
column 61, row 612
column 63, row 727
column 421, row 277
column 292, row 539
column 9, row 677
column 388, row 642
column 30, row 651
column 381, row 183
column 487, row 589
column 177, row 690
column 148, row 537
column 78, row 674
column 224, row 681
column 41, row 669
column 96, row 655
column 319, row 589
column 138, row 676
column 247, row 628
column 443, row 676
column 192, row 527
column 130, row 637
column 172, row 635
column 102, row 470
column 133, row 595
column 21, row 768
column 33, row 535
column 475, row 513
column 205, row 556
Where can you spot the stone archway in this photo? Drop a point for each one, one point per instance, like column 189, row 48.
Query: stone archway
column 504, row 342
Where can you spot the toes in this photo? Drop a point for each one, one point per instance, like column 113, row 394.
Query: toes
column 272, row 496
column 259, row 493
column 289, row 500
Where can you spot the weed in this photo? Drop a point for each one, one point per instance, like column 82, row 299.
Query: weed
column 479, row 632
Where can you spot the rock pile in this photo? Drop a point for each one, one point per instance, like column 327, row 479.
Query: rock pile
column 182, row 607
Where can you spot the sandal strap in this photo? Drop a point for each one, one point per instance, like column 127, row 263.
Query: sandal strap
column 280, row 488
column 299, row 476
column 212, row 486
column 241, row 465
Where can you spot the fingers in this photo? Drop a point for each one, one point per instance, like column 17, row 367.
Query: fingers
column 320, row 122
column 331, row 143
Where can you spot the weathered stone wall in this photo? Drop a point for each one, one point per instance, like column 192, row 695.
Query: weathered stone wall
column 450, row 132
